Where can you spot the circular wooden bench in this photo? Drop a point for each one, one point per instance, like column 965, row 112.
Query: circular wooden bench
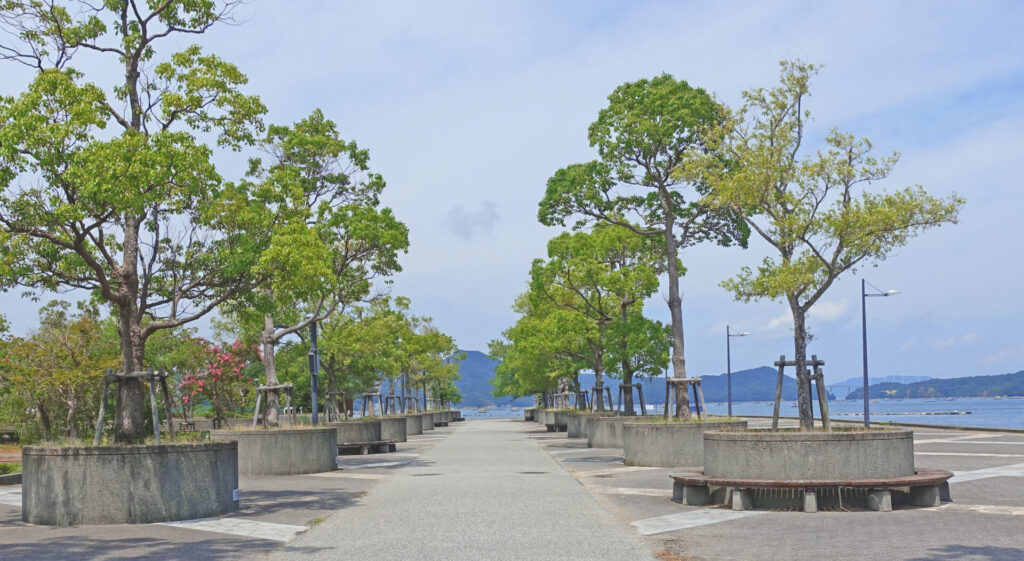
column 928, row 487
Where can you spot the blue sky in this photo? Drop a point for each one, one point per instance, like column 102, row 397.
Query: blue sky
column 468, row 107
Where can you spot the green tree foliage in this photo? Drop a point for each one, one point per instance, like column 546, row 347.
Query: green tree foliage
column 604, row 276
column 55, row 374
column 649, row 128
column 104, row 186
column 329, row 236
column 812, row 209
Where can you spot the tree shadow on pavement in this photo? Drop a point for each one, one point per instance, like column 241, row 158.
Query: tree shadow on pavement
column 258, row 502
column 72, row 548
column 972, row 553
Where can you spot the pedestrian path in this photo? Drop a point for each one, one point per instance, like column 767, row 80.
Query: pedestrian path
column 487, row 492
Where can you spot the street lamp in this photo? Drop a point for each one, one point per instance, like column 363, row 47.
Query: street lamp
column 728, row 361
column 864, row 334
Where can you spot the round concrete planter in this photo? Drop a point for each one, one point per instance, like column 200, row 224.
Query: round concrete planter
column 576, row 425
column 541, row 416
column 789, row 456
column 606, row 431
column 428, row 421
column 128, row 484
column 413, row 424
column 283, row 452
column 392, row 428
column 669, row 444
column 358, row 430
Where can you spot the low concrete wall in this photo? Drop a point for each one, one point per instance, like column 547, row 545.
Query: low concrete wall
column 606, row 431
column 413, row 424
column 128, row 484
column 528, row 413
column 541, row 416
column 669, row 444
column 393, row 428
column 428, row 421
column 809, row 455
column 358, row 430
column 283, row 452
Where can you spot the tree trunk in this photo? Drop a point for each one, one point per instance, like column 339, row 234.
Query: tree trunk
column 627, row 368
column 72, row 409
column 44, row 418
column 675, row 308
column 129, row 424
column 599, row 384
column 803, row 379
column 270, row 417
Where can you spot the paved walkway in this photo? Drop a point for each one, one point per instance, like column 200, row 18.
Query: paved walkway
column 487, row 492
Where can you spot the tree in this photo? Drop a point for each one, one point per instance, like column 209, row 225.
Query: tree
column 329, row 236
column 813, row 210
column 644, row 134
column 105, row 187
column 605, row 276
column 58, row 370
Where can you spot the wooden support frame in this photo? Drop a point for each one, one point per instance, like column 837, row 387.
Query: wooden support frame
column 601, row 390
column 672, row 395
column 152, row 377
column 818, row 379
column 639, row 392
column 288, row 392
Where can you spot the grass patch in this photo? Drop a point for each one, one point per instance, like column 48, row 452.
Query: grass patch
column 10, row 467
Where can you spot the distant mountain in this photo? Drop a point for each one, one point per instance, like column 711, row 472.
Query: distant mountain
column 757, row 384
column 971, row 386
column 859, row 381
column 475, row 373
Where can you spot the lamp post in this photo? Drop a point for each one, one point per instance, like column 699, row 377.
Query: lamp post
column 864, row 294
column 728, row 362
column 314, row 371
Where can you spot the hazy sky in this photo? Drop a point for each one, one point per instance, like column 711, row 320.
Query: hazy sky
column 468, row 107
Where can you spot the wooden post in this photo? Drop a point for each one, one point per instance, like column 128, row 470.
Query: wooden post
column 699, row 394
column 778, row 392
column 103, row 408
column 819, row 382
column 256, row 414
column 167, row 404
column 154, row 407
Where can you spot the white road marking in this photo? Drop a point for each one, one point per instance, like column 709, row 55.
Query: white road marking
column 984, row 509
column 1015, row 470
column 347, row 475
column 242, row 527
column 689, row 519
column 11, row 497
column 956, row 438
column 375, row 465
column 631, row 491
column 610, row 471
column 972, row 454
column 1009, row 442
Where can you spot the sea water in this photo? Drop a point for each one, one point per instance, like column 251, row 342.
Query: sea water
column 1007, row 412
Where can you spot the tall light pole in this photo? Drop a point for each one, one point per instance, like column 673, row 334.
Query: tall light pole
column 728, row 362
column 864, row 334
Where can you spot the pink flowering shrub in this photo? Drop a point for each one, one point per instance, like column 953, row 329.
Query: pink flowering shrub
column 223, row 383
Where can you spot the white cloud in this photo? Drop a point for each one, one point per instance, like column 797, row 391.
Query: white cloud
column 940, row 343
column 469, row 223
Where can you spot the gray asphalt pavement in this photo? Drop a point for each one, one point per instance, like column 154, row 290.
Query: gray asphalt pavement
column 487, row 492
